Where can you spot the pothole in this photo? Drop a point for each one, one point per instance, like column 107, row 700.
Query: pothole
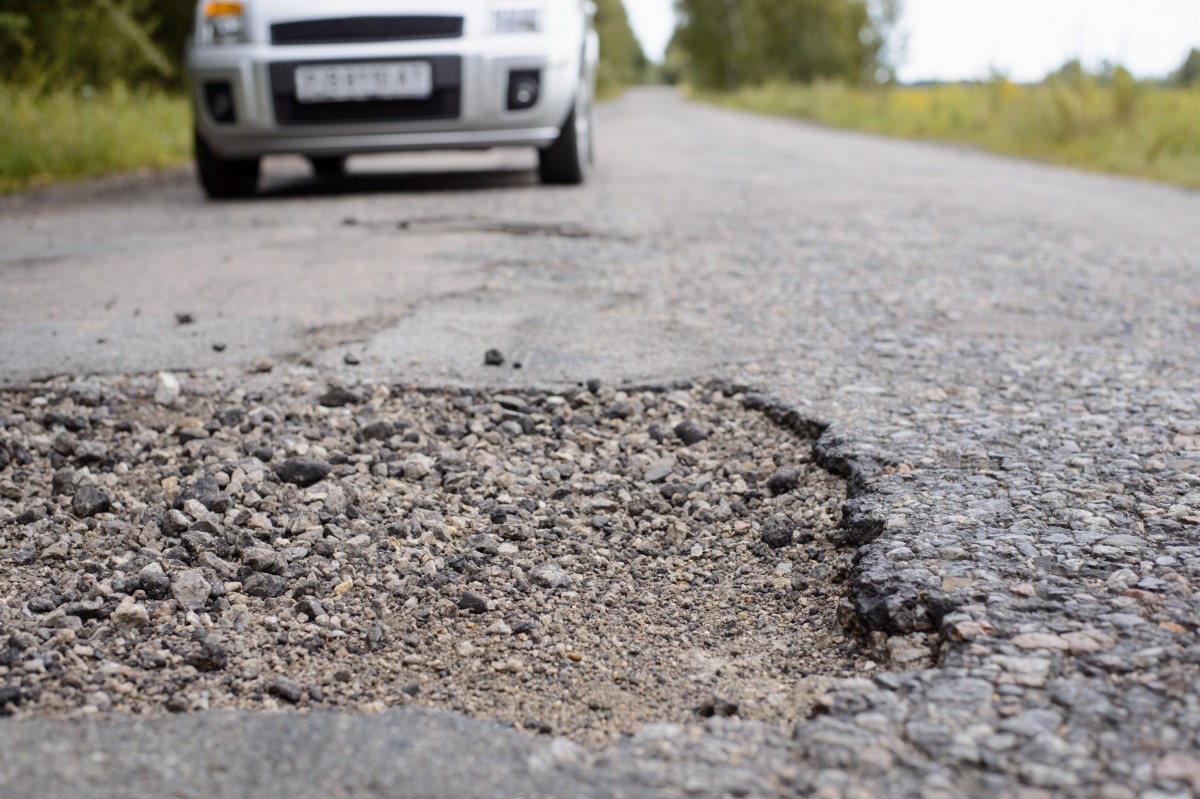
column 580, row 563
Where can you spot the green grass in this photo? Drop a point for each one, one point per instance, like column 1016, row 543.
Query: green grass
column 64, row 135
column 1121, row 127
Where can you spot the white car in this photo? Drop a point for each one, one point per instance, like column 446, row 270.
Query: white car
column 328, row 79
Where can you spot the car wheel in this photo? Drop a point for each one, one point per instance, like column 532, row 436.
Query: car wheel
column 566, row 161
column 224, row 178
column 329, row 166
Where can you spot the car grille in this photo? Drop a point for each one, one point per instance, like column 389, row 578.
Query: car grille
column 445, row 103
column 366, row 29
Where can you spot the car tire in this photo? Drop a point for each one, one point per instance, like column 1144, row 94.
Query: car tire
column 223, row 178
column 566, row 162
column 333, row 166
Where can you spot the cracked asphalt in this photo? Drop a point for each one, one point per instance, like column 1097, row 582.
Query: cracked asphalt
column 999, row 356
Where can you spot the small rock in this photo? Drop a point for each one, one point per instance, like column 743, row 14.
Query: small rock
column 1181, row 767
column 262, row 365
column 1088, row 641
column 378, row 431
column 302, row 472
column 690, row 432
column 263, row 585
column 493, row 358
column 63, row 482
column 658, row 471
column 783, row 481
column 350, row 359
column 154, row 581
column 130, row 615
column 175, row 523
column 56, row 551
column 167, row 389
column 550, row 575
column 778, row 532
column 1040, row 641
column 184, row 319
column 25, row 555
column 190, row 588
column 210, row 656
column 264, row 559
column 472, row 603
column 418, row 466
column 311, row 607
column 219, row 346
column 339, row 397
column 285, row 689
column 10, row 696
column 88, row 502
column 207, row 492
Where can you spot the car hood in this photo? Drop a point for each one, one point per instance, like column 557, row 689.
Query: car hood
column 272, row 11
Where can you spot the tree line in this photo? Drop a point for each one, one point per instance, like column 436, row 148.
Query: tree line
column 726, row 44
column 70, row 44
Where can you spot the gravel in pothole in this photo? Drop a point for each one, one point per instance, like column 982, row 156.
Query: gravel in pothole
column 580, row 564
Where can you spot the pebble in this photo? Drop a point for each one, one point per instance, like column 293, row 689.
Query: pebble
column 167, row 389
column 783, row 481
column 190, row 588
column 130, row 615
column 550, row 575
column 287, row 690
column 690, row 432
column 88, row 502
column 339, row 397
column 472, row 603
column 302, row 472
column 778, row 531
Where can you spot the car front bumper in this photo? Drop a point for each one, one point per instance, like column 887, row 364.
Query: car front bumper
column 477, row 70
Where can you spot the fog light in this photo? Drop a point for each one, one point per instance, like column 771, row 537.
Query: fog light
column 219, row 95
column 524, row 86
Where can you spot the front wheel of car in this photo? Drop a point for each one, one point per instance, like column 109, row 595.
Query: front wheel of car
column 566, row 161
column 225, row 178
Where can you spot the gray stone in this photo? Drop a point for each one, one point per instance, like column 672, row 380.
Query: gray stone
column 190, row 588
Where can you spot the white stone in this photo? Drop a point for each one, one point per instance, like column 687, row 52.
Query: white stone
column 167, row 389
column 190, row 588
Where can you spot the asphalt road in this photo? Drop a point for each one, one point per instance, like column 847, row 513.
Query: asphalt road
column 1006, row 353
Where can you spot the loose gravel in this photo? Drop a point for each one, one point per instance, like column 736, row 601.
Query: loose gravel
column 577, row 564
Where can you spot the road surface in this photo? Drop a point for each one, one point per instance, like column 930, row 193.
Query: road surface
column 1004, row 353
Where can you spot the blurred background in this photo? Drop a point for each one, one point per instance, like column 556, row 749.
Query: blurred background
column 89, row 87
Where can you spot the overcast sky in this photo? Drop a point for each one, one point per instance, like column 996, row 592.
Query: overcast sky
column 1025, row 39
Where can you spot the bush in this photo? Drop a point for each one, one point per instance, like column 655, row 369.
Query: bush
column 69, row 134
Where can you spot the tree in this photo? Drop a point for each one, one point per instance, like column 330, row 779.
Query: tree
column 622, row 60
column 1189, row 73
column 728, row 43
column 70, row 43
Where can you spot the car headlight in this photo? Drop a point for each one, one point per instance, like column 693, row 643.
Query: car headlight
column 520, row 16
column 225, row 23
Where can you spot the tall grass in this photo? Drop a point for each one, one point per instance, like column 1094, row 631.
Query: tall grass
column 66, row 135
column 1118, row 126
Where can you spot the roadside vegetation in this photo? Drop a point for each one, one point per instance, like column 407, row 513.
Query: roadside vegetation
column 74, row 133
column 738, row 53
column 91, row 87
column 1108, row 123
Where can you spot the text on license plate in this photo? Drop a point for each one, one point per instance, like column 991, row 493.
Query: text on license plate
column 344, row 83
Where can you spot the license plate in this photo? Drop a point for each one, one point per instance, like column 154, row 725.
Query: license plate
column 348, row 83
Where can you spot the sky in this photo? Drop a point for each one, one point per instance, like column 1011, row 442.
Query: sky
column 1024, row 39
